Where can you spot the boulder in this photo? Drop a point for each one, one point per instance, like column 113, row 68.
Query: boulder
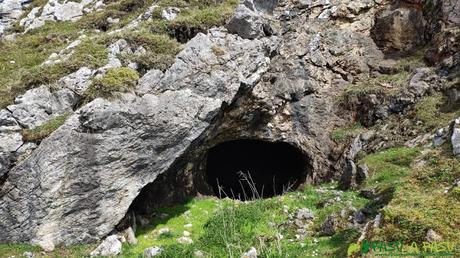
column 170, row 13
column 83, row 178
column 152, row 252
column 348, row 179
column 455, row 138
column 55, row 10
column 111, row 246
column 251, row 19
column 129, row 235
column 399, row 30
column 252, row 253
column 40, row 104
column 432, row 236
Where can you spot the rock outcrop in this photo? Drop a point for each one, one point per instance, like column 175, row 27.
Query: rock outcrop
column 98, row 161
column 273, row 74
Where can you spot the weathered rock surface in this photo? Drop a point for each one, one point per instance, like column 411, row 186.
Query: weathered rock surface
column 80, row 182
column 251, row 19
column 10, row 11
column 100, row 159
column 400, row 29
column 56, row 10
column 39, row 105
column 152, row 252
column 111, row 246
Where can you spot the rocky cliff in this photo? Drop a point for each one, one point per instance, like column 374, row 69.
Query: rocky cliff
column 277, row 71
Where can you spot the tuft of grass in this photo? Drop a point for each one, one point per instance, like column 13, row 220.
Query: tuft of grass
column 116, row 80
column 432, row 112
column 343, row 134
column 41, row 132
column 384, row 84
column 195, row 16
column 389, row 168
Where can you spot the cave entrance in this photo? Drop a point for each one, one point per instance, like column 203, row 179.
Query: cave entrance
column 248, row 169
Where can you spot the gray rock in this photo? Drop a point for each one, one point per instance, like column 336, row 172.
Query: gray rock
column 331, row 225
column 152, row 252
column 399, row 29
column 199, row 254
column 56, row 10
column 10, row 12
column 39, row 105
column 252, row 253
column 4, row 163
column 28, row 255
column 362, row 174
column 129, row 236
column 147, row 83
column 250, row 18
column 84, row 188
column 455, row 138
column 305, row 214
column 10, row 141
column 185, row 240
column 348, row 179
column 170, row 13
column 432, row 236
column 78, row 81
column 111, row 246
column 377, row 220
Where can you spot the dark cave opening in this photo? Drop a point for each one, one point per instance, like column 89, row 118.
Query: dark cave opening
column 248, row 169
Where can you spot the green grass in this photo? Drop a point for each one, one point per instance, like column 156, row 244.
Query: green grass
column 345, row 133
column 27, row 52
column 433, row 112
column 387, row 168
column 116, row 80
column 227, row 228
column 194, row 15
column 411, row 185
column 41, row 132
column 17, row 250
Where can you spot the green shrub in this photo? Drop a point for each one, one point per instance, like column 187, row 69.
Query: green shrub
column 115, row 81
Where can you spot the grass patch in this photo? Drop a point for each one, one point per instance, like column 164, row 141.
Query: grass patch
column 41, row 132
column 28, row 51
column 116, row 80
column 417, row 200
column 343, row 134
column 383, row 84
column 432, row 111
column 227, row 228
column 195, row 16
column 389, row 168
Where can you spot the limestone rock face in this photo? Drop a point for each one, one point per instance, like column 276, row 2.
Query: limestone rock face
column 251, row 19
column 274, row 73
column 56, row 10
column 10, row 11
column 399, row 30
column 82, row 179
column 111, row 246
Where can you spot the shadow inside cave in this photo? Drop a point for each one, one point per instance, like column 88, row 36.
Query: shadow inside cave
column 253, row 169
